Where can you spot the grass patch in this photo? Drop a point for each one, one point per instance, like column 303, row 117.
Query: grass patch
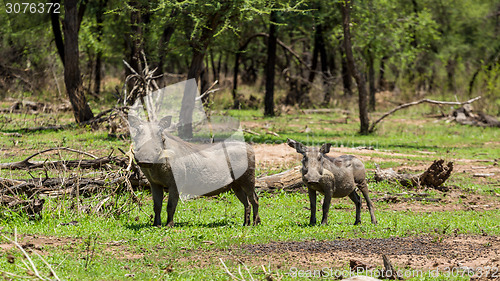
column 118, row 242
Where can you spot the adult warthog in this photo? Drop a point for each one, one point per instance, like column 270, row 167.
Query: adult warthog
column 332, row 177
column 170, row 163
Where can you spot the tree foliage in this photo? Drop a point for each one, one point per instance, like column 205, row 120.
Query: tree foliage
column 411, row 47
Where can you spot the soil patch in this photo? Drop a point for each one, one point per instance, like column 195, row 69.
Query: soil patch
column 281, row 155
column 425, row 252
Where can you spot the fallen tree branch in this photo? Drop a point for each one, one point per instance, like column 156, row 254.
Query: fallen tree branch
column 372, row 126
column 84, row 163
column 66, row 164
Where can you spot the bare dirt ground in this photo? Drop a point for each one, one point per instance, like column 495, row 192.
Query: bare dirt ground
column 281, row 155
column 425, row 253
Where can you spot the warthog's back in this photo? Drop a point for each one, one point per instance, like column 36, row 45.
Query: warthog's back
column 351, row 164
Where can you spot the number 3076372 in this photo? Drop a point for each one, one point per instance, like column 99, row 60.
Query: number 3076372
column 32, row 8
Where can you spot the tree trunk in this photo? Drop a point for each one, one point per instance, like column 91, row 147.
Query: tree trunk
column 186, row 115
column 346, row 77
column 271, row 62
column 72, row 77
column 168, row 31
column 236, row 101
column 450, row 71
column 56, row 29
column 214, row 66
column 324, row 64
column 351, row 65
column 382, row 83
column 297, row 87
column 371, row 80
column 98, row 60
column 219, row 62
column 136, row 37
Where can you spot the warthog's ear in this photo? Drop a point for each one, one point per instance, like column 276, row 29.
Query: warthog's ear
column 325, row 148
column 165, row 122
column 297, row 145
column 134, row 121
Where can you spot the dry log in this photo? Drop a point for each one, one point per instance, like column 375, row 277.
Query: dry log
column 465, row 115
column 287, row 180
column 433, row 177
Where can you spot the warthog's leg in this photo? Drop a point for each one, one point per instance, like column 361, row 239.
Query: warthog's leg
column 238, row 191
column 312, row 204
column 364, row 189
column 157, row 191
column 326, row 205
column 357, row 201
column 254, row 200
column 173, row 198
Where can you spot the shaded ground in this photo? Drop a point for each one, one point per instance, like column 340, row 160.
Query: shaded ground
column 418, row 253
column 409, row 252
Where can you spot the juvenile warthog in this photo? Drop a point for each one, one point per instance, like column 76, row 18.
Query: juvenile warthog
column 170, row 163
column 333, row 177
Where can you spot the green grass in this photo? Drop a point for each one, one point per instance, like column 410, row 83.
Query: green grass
column 217, row 220
column 209, row 228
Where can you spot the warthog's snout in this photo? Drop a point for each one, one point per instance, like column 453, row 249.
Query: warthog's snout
column 311, row 178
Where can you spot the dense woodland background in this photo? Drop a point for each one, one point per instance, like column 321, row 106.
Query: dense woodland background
column 306, row 53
